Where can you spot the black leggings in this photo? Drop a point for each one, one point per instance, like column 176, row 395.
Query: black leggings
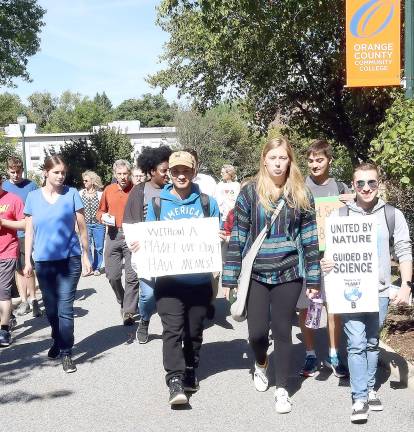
column 279, row 303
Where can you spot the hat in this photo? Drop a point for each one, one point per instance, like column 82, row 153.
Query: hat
column 181, row 158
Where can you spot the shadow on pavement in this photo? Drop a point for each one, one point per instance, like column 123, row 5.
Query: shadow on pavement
column 222, row 308
column 83, row 294
column 25, row 397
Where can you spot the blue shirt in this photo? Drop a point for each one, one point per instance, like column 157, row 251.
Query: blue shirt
column 21, row 189
column 54, row 224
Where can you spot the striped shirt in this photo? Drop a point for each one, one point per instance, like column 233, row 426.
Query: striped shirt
column 277, row 260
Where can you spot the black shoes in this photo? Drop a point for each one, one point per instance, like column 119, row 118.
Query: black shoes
column 190, row 381
column 53, row 352
column 36, row 312
column 142, row 332
column 68, row 365
column 177, row 395
column 128, row 319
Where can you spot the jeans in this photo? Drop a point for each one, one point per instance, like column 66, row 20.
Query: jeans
column 383, row 310
column 147, row 305
column 58, row 281
column 362, row 331
column 96, row 237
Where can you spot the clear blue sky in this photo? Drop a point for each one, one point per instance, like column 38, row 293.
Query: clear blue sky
column 90, row 46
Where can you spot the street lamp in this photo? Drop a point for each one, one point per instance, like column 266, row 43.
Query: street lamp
column 22, row 121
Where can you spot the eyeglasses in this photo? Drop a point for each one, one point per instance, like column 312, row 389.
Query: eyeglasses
column 372, row 184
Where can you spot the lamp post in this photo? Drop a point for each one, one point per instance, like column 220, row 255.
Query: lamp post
column 22, row 121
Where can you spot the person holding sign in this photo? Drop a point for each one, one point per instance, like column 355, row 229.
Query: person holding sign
column 277, row 273
column 182, row 300
column 362, row 328
column 320, row 157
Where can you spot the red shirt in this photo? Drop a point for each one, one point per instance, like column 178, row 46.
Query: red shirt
column 11, row 208
column 113, row 201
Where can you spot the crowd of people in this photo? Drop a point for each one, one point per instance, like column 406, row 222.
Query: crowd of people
column 54, row 233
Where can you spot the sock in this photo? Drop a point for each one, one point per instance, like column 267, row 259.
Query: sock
column 333, row 352
column 262, row 366
column 311, row 353
column 5, row 327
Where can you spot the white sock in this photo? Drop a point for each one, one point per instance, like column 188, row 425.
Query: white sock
column 333, row 352
column 311, row 353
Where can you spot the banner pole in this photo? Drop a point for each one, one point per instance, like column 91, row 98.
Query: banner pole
column 409, row 49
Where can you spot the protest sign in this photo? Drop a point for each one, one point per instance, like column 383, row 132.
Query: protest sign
column 352, row 285
column 324, row 206
column 183, row 246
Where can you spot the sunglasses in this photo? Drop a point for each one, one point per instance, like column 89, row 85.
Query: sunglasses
column 372, row 184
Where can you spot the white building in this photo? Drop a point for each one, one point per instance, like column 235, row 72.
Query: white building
column 37, row 143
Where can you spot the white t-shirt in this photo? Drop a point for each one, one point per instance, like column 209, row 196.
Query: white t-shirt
column 206, row 184
column 226, row 194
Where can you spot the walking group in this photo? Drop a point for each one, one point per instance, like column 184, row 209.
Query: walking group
column 59, row 225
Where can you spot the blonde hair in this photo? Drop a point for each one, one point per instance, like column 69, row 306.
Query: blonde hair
column 294, row 189
column 95, row 179
column 230, row 169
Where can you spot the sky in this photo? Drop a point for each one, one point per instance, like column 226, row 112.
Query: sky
column 91, row 46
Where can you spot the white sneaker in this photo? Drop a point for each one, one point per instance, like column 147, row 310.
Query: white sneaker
column 374, row 402
column 260, row 379
column 283, row 403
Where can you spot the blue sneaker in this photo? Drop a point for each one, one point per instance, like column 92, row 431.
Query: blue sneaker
column 310, row 367
column 5, row 338
column 338, row 368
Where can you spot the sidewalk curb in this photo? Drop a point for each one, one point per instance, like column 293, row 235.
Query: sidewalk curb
column 400, row 368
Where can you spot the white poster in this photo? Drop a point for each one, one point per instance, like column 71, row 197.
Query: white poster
column 352, row 285
column 174, row 247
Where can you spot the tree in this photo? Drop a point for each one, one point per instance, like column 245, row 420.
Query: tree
column 150, row 110
column 280, row 57
column 7, row 149
column 20, row 24
column 41, row 107
column 102, row 100
column 10, row 107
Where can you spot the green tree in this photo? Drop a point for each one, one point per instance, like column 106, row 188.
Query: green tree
column 10, row 107
column 40, row 109
column 150, row 110
column 7, row 149
column 20, row 24
column 282, row 58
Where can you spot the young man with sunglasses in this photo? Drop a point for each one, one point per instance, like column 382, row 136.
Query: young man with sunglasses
column 362, row 329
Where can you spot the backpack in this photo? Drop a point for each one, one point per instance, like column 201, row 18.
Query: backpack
column 205, row 204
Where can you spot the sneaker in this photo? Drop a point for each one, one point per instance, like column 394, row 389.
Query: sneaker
column 12, row 322
column 128, row 319
column 310, row 367
column 36, row 312
column 374, row 401
column 142, row 332
column 338, row 368
column 177, row 395
column 5, row 338
column 53, row 352
column 190, row 381
column 259, row 377
column 96, row 273
column 359, row 412
column 23, row 308
column 68, row 365
column 282, row 401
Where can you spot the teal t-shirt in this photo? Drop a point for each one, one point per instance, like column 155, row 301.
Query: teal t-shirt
column 55, row 237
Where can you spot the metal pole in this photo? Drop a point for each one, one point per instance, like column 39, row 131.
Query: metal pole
column 22, row 130
column 409, row 49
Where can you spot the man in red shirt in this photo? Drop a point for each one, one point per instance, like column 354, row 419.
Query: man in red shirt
column 11, row 220
column 110, row 213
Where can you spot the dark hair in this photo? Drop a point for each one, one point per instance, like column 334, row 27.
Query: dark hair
column 14, row 162
column 320, row 146
column 51, row 161
column 151, row 157
column 193, row 153
column 366, row 166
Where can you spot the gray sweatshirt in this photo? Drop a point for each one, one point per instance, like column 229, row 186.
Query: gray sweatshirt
column 402, row 242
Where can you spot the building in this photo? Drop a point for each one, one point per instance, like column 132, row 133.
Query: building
column 37, row 143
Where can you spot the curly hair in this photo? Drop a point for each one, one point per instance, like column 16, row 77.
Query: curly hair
column 95, row 179
column 151, row 157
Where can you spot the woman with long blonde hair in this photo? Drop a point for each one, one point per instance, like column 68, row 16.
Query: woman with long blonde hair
column 277, row 273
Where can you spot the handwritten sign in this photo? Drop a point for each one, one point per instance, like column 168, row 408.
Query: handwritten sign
column 183, row 246
column 352, row 285
column 324, row 206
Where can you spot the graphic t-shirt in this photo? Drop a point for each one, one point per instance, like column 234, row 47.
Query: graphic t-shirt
column 11, row 208
column 226, row 195
column 326, row 190
column 54, row 224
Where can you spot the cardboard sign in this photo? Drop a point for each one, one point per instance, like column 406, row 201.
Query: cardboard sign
column 351, row 242
column 183, row 246
column 324, row 206
column 373, row 42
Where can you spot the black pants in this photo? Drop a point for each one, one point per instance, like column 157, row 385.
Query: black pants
column 182, row 310
column 277, row 302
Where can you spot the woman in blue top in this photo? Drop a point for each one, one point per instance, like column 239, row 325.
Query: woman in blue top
column 51, row 215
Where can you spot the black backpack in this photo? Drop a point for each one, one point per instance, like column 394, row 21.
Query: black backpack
column 205, row 204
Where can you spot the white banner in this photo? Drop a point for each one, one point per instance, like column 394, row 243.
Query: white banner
column 351, row 242
column 183, row 246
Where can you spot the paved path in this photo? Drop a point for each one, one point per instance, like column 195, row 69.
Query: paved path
column 120, row 386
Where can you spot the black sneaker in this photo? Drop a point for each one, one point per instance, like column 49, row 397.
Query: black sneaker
column 142, row 332
column 53, row 352
column 68, row 365
column 36, row 312
column 12, row 322
column 360, row 411
column 128, row 319
column 190, row 381
column 374, row 401
column 177, row 395
column 5, row 338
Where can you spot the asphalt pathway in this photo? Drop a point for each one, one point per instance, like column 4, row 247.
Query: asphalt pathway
column 120, row 384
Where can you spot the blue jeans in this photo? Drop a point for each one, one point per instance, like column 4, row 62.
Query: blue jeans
column 57, row 282
column 147, row 303
column 96, row 237
column 362, row 331
column 383, row 310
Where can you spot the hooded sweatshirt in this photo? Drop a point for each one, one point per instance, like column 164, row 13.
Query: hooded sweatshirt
column 402, row 242
column 173, row 208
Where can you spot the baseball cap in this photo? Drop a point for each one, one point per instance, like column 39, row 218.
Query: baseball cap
column 181, row 158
